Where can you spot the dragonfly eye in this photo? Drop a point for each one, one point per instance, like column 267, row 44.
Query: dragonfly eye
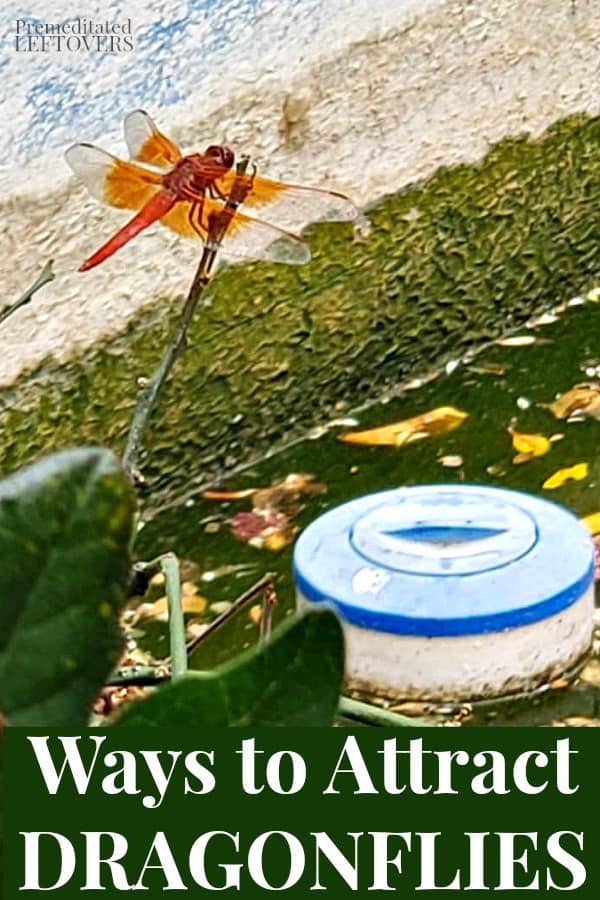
column 222, row 155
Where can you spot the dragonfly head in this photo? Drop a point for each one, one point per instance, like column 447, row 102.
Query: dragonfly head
column 219, row 156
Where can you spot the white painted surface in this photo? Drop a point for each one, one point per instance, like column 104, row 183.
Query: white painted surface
column 364, row 95
column 468, row 667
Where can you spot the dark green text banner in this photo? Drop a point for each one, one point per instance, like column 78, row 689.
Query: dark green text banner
column 290, row 812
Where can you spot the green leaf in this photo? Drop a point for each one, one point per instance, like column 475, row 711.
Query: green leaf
column 292, row 679
column 65, row 525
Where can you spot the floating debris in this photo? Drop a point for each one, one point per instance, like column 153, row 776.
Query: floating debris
column 578, row 722
column 436, row 421
column 227, row 569
column 413, row 708
column 228, row 495
column 519, row 340
column 220, row 606
column 275, row 495
column 528, row 446
column 191, row 601
column 348, row 422
column 546, row 319
column 112, row 698
column 577, row 472
column 592, row 371
column 194, row 630
column 255, row 613
column 286, row 494
column 489, row 368
column 523, row 403
column 451, row 462
column 592, row 522
column 269, row 523
column 272, row 530
column 582, row 399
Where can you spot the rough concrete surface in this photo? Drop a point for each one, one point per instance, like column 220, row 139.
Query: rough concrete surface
column 387, row 110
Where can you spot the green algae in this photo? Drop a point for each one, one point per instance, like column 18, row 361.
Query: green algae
column 450, row 263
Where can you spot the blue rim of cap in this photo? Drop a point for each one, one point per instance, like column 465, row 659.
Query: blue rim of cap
column 506, row 563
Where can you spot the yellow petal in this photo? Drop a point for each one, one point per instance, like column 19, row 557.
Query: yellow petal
column 573, row 473
column 436, row 421
column 592, row 522
column 528, row 445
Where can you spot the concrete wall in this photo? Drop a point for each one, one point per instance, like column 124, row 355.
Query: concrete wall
column 381, row 95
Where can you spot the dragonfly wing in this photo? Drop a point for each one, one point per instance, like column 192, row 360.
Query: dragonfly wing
column 253, row 239
column 293, row 206
column 178, row 220
column 111, row 180
column 146, row 143
column 244, row 237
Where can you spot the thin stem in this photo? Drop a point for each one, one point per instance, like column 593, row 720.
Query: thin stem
column 148, row 675
column 266, row 615
column 147, row 398
column 168, row 564
column 218, row 224
column 45, row 276
column 170, row 567
column 376, row 715
column 149, row 567
column 264, row 585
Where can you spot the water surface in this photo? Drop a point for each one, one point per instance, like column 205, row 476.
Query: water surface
column 502, row 387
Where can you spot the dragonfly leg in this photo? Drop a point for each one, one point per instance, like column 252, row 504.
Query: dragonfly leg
column 195, row 218
column 216, row 193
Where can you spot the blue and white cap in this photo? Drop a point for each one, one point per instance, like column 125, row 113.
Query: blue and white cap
column 445, row 560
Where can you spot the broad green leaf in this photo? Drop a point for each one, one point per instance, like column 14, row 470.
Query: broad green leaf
column 65, row 524
column 293, row 679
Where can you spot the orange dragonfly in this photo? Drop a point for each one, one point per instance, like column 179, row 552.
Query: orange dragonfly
column 182, row 192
